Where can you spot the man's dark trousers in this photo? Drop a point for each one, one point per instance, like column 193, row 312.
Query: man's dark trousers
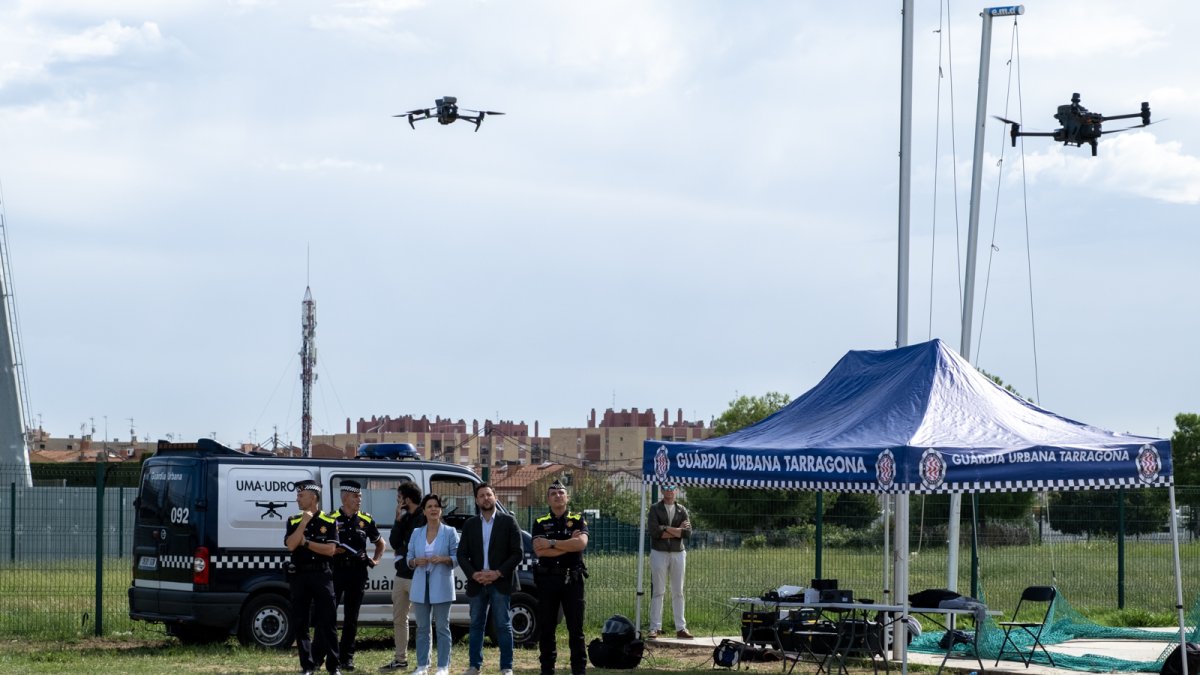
column 554, row 591
column 312, row 594
column 349, row 583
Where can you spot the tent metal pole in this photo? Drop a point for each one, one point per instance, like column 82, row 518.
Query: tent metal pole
column 900, row 628
column 1178, row 583
column 887, row 553
column 641, row 568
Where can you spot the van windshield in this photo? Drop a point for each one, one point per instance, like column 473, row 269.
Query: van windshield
column 458, row 497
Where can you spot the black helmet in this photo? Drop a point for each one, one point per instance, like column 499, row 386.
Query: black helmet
column 618, row 629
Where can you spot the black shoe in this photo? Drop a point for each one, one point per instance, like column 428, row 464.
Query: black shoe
column 348, row 665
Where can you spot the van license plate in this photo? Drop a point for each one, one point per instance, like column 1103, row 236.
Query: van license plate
column 148, row 563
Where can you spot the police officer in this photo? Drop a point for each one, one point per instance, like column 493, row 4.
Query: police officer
column 352, row 562
column 312, row 538
column 559, row 539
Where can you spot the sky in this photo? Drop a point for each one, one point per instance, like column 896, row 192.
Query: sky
column 687, row 201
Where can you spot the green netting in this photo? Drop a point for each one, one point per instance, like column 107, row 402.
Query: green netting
column 1064, row 623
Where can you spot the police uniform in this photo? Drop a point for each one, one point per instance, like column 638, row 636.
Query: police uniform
column 560, row 583
column 350, row 570
column 311, row 581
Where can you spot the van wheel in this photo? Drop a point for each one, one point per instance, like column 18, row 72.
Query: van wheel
column 266, row 622
column 523, row 613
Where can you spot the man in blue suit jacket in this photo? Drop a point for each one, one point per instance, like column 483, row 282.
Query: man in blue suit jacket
column 489, row 554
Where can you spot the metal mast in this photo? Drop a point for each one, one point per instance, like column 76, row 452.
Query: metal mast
column 308, row 362
column 14, row 397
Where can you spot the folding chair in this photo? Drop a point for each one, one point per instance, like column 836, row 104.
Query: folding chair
column 1033, row 629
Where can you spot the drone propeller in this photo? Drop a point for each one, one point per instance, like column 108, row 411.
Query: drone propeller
column 1004, row 120
column 1136, row 126
column 482, row 112
column 411, row 115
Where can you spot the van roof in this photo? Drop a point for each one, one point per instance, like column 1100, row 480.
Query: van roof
column 206, row 447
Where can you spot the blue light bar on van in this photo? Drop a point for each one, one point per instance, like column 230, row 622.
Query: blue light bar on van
column 388, row 451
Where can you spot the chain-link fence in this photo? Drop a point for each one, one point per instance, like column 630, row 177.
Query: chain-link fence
column 65, row 543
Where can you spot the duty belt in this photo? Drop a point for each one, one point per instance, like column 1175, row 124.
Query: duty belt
column 553, row 571
column 312, row 567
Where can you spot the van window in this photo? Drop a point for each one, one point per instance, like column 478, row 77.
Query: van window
column 166, row 494
column 378, row 494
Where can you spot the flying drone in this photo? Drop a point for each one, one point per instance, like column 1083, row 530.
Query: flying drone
column 446, row 112
column 1079, row 126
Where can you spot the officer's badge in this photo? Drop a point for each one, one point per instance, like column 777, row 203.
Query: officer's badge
column 570, row 523
column 323, row 529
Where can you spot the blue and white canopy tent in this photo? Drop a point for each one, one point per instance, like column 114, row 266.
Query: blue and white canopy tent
column 918, row 419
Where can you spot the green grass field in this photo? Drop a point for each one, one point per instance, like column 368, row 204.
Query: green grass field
column 57, row 600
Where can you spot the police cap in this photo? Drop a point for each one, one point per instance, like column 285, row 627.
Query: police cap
column 352, row 486
column 309, row 485
column 556, row 485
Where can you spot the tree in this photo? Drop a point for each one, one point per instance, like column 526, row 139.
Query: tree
column 746, row 410
column 593, row 490
column 1096, row 512
column 734, row 508
column 1185, row 455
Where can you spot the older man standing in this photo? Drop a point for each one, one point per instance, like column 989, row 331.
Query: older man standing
column 669, row 525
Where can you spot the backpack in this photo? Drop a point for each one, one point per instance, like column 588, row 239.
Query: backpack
column 1173, row 664
column 618, row 646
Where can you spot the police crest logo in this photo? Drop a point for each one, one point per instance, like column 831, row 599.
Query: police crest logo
column 933, row 468
column 885, row 469
column 662, row 463
column 1148, row 464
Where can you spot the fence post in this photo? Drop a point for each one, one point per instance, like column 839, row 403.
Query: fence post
column 12, row 522
column 99, row 548
column 121, row 522
column 1121, row 548
column 820, row 534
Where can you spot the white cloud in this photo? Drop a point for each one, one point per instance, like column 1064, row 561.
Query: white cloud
column 1135, row 164
column 1094, row 32
column 327, row 164
column 106, row 40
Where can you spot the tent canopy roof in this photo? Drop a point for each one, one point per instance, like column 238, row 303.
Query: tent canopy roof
column 917, row 418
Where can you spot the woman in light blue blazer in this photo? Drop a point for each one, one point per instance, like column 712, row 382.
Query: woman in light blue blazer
column 432, row 550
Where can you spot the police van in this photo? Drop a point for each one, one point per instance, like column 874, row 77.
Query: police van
column 208, row 552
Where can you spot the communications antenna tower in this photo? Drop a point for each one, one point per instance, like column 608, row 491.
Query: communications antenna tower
column 14, row 396
column 308, row 362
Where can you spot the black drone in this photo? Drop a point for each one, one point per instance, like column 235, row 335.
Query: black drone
column 1079, row 126
column 446, row 112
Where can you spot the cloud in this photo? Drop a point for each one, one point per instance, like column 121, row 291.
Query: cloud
column 372, row 19
column 327, row 164
column 107, row 40
column 1096, row 32
column 1135, row 164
